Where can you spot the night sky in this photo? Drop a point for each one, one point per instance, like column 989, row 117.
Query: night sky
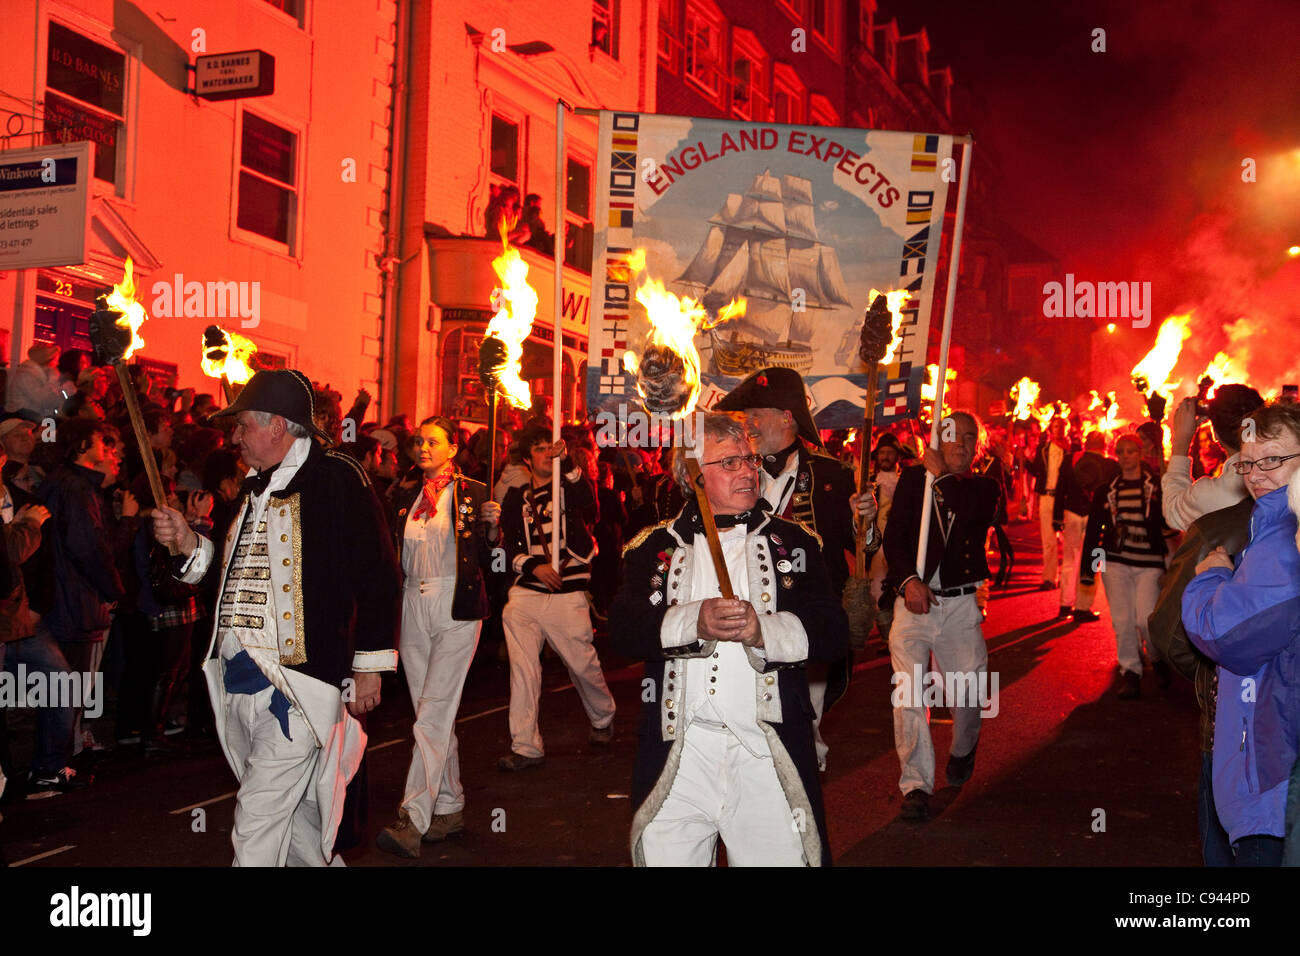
column 1127, row 165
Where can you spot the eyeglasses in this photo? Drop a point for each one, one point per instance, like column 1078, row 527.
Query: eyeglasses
column 1271, row 463
column 733, row 462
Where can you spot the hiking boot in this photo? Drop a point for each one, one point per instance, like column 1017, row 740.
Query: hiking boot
column 444, row 825
column 402, row 838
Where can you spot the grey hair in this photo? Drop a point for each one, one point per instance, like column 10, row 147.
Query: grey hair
column 981, row 436
column 718, row 426
column 293, row 428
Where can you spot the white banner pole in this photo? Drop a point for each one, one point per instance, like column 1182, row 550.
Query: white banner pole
column 936, row 413
column 557, row 378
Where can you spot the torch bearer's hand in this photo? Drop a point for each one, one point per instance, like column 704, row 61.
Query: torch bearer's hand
column 721, row 619
column 130, row 507
column 548, row 576
column 558, row 449
column 172, row 532
column 490, row 513
column 1184, row 429
column 864, row 506
column 366, row 687
column 934, row 461
column 918, row 597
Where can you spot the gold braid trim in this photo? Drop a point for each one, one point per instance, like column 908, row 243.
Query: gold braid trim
column 645, row 533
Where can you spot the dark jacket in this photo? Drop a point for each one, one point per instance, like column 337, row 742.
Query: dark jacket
column 1103, row 523
column 1230, row 530
column 579, row 516
column 473, row 550
column 637, row 619
column 86, row 582
column 968, row 503
column 1088, row 472
column 820, row 500
column 350, row 587
column 21, row 540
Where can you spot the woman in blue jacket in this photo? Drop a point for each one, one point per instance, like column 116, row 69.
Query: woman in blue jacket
column 1247, row 620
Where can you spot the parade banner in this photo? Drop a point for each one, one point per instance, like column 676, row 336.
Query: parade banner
column 801, row 221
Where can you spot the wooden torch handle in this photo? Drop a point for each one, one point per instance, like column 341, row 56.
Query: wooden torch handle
column 710, row 529
column 141, row 435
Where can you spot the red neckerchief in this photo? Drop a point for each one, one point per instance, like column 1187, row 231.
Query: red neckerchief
column 429, row 495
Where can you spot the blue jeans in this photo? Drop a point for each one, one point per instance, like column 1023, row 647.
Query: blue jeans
column 1215, row 848
column 41, row 653
column 1261, row 850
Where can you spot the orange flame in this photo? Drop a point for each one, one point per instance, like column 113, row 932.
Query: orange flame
column 235, row 367
column 1157, row 364
column 930, row 387
column 674, row 323
column 516, row 304
column 1220, row 370
column 1025, row 392
column 895, row 300
column 133, row 313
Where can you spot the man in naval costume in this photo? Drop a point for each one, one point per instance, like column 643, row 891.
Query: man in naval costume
column 809, row 487
column 305, row 624
column 938, row 614
column 726, row 732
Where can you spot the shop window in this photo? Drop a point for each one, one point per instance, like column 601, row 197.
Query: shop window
column 85, row 97
column 268, row 172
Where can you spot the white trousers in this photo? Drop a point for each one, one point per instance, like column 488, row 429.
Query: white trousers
column 436, row 655
column 1046, row 503
column 1131, row 593
column 562, row 620
column 1071, row 555
column 817, row 674
column 721, row 789
column 277, row 819
column 952, row 632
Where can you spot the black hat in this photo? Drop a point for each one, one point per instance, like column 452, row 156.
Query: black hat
column 774, row 387
column 282, row 391
column 890, row 440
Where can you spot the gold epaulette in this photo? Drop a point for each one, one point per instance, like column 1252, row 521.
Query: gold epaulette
column 356, row 466
column 795, row 521
column 645, row 533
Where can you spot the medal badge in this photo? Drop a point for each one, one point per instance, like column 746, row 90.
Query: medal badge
column 655, row 598
column 783, row 566
column 787, row 581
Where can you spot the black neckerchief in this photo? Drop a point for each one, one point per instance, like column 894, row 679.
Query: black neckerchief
column 775, row 464
column 724, row 522
column 256, row 484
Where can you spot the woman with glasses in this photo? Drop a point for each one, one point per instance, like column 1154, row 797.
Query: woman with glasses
column 1247, row 619
column 443, row 525
column 1125, row 543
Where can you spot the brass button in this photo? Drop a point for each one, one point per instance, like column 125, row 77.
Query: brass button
column 285, row 588
column 283, row 512
column 767, row 696
column 285, row 537
column 288, row 642
column 670, row 728
column 769, row 679
column 765, row 596
column 671, row 715
column 668, row 702
column 715, row 654
column 285, row 562
column 710, row 690
column 287, row 615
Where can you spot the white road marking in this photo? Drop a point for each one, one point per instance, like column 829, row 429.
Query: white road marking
column 41, row 856
column 204, row 803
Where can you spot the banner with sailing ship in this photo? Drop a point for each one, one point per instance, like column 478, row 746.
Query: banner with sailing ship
column 799, row 222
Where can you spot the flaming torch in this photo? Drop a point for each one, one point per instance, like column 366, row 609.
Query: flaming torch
column 877, row 346
column 1151, row 375
column 1025, row 392
column 115, row 334
column 668, row 375
column 227, row 356
column 502, row 348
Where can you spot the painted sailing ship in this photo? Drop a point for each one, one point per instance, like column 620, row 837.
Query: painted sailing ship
column 764, row 245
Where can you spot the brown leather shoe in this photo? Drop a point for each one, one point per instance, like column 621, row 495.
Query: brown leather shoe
column 402, row 838
column 444, row 825
column 513, row 761
column 601, row 735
